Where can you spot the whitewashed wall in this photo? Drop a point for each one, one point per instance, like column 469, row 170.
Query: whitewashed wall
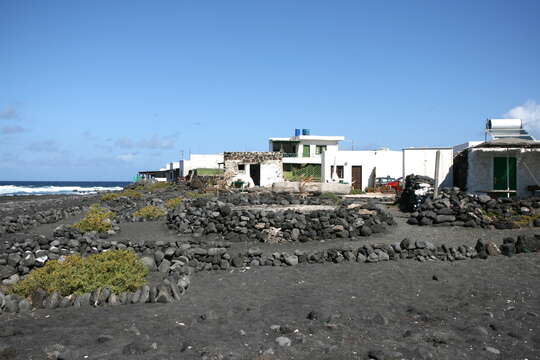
column 480, row 170
column 271, row 172
column 421, row 161
column 196, row 161
column 381, row 163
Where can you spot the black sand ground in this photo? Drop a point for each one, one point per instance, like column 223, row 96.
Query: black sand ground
column 476, row 309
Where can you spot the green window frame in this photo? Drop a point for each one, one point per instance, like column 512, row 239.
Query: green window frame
column 306, row 151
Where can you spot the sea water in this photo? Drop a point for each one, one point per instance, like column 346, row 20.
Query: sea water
column 11, row 188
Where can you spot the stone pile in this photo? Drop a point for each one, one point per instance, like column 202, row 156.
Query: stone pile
column 415, row 190
column 457, row 208
column 19, row 223
column 268, row 224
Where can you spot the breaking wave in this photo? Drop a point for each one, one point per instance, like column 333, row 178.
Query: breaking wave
column 11, row 190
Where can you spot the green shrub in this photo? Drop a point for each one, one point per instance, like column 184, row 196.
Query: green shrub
column 329, row 196
column 357, row 192
column 97, row 219
column 196, row 195
column 150, row 212
column 130, row 194
column 127, row 193
column 174, row 202
column 153, row 186
column 119, row 270
column 109, row 196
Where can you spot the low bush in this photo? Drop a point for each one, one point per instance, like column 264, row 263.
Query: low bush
column 109, row 196
column 97, row 219
column 133, row 194
column 357, row 192
column 329, row 196
column 174, row 202
column 150, row 212
column 119, row 270
column 196, row 195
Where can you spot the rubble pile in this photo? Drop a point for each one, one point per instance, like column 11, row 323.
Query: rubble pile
column 269, row 224
column 415, row 190
column 454, row 207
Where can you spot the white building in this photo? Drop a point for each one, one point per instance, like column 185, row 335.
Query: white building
column 200, row 161
column 302, row 154
column 421, row 161
column 361, row 168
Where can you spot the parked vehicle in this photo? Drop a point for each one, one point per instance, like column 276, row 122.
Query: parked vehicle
column 396, row 184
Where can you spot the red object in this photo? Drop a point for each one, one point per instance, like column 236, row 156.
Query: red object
column 396, row 184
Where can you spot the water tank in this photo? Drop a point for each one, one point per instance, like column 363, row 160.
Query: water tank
column 296, row 132
column 496, row 124
column 305, row 132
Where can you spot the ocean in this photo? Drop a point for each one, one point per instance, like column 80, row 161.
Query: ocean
column 12, row 188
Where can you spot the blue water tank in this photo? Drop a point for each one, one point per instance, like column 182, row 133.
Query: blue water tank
column 305, row 132
column 296, row 132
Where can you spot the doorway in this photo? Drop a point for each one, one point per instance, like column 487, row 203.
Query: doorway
column 255, row 173
column 504, row 173
column 357, row 177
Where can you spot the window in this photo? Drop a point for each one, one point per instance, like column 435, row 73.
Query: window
column 339, row 171
column 319, row 149
column 306, row 152
column 241, row 167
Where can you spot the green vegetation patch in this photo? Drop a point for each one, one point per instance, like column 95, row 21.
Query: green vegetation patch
column 209, row 172
column 133, row 194
column 196, row 195
column 119, row 270
column 97, row 219
column 150, row 212
column 329, row 196
column 173, row 203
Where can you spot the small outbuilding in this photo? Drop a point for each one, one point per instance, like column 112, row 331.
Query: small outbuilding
column 253, row 168
column 504, row 166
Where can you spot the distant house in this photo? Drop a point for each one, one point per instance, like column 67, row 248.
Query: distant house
column 360, row 168
column 200, row 161
column 302, row 153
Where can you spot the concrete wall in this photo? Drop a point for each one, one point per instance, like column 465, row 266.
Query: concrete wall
column 421, row 161
column 480, row 170
column 207, row 161
column 380, row 163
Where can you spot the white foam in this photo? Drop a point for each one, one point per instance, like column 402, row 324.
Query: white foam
column 52, row 190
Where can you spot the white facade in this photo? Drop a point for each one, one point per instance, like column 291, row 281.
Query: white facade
column 379, row 163
column 480, row 172
column 293, row 153
column 421, row 161
column 469, row 144
column 200, row 161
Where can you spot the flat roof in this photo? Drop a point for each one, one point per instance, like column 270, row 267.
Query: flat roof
column 515, row 143
column 430, row 148
column 310, row 137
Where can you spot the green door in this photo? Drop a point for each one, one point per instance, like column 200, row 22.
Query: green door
column 306, row 151
column 504, row 173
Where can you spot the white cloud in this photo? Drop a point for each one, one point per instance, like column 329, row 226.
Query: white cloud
column 126, row 157
column 154, row 142
column 9, row 113
column 529, row 113
column 9, row 130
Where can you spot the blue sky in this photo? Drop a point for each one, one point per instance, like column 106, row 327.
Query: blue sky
column 97, row 90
